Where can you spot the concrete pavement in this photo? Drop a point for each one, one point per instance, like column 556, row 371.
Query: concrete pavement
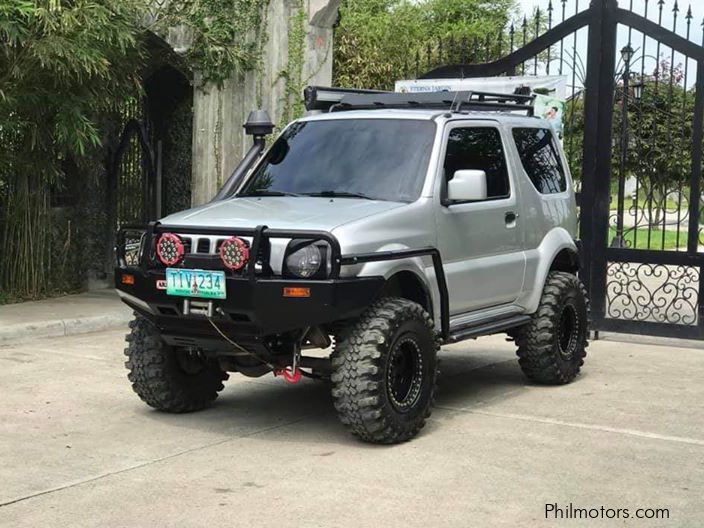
column 77, row 447
column 59, row 316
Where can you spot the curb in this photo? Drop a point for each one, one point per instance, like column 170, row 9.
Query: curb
column 15, row 333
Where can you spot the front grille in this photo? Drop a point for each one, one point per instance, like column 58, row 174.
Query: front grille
column 203, row 245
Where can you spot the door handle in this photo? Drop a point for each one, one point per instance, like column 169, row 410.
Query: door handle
column 510, row 217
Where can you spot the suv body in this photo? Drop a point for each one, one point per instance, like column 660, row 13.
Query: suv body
column 475, row 267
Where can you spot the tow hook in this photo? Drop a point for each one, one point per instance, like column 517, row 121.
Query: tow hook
column 290, row 374
column 293, row 373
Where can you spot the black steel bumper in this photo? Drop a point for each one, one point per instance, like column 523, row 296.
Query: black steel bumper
column 255, row 305
column 251, row 308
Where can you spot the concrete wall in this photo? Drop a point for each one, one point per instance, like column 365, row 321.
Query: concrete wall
column 218, row 139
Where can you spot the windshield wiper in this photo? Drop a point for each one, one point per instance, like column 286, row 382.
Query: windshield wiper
column 269, row 193
column 341, row 194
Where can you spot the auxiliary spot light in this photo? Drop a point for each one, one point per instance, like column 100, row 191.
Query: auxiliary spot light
column 170, row 249
column 234, row 253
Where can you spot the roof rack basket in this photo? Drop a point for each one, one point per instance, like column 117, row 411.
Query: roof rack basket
column 341, row 99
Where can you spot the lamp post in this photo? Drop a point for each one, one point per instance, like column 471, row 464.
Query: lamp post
column 626, row 54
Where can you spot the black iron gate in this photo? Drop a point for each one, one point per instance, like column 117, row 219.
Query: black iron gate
column 634, row 130
column 150, row 164
column 134, row 176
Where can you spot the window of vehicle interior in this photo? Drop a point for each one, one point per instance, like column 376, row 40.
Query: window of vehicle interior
column 479, row 148
column 541, row 159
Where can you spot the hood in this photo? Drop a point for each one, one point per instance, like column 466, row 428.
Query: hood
column 284, row 212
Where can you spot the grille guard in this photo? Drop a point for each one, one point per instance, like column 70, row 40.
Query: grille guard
column 147, row 256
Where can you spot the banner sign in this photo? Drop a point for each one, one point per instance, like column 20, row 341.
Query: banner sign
column 551, row 91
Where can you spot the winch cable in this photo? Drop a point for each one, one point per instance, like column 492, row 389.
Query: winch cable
column 292, row 376
column 239, row 347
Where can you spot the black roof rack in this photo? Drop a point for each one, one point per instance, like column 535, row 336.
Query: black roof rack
column 323, row 98
column 341, row 99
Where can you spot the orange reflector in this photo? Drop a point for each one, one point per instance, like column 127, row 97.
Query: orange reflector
column 128, row 279
column 296, row 292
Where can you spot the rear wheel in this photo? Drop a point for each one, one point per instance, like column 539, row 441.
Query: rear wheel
column 552, row 347
column 385, row 372
column 170, row 379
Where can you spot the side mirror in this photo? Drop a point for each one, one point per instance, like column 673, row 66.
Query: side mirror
column 467, row 186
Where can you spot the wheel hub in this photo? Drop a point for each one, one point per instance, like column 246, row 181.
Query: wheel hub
column 568, row 331
column 405, row 374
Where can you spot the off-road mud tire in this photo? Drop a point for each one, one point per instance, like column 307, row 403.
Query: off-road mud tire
column 159, row 378
column 547, row 355
column 366, row 372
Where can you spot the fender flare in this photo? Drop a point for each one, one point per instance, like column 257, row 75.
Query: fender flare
column 420, row 267
column 556, row 241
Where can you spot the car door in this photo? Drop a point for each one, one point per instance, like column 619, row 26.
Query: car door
column 481, row 242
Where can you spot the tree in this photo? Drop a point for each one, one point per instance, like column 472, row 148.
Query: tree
column 63, row 66
column 660, row 146
column 377, row 40
column 659, row 149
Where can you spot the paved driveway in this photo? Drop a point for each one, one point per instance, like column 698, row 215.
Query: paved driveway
column 77, row 448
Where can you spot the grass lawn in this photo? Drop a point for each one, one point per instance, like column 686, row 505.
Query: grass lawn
column 655, row 239
column 644, row 204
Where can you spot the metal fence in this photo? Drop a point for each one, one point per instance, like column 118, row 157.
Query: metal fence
column 132, row 171
column 633, row 136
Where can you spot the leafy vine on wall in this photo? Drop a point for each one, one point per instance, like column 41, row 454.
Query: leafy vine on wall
column 227, row 38
column 225, row 34
column 293, row 74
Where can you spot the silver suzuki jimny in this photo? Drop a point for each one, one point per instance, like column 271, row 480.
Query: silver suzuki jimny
column 379, row 227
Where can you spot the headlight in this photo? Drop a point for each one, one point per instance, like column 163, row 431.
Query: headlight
column 305, row 262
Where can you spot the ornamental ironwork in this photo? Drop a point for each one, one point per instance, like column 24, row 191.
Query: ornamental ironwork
column 633, row 135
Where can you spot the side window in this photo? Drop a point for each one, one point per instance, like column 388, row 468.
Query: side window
column 479, row 149
column 541, row 159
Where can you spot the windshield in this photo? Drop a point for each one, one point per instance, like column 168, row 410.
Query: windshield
column 378, row 159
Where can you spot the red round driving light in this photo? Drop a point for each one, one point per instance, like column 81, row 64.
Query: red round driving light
column 170, row 249
column 234, row 253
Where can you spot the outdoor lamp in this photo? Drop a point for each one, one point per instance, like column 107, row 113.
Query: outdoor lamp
column 627, row 54
column 638, row 89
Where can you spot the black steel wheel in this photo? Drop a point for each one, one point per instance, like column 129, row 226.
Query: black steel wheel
column 385, row 372
column 568, row 331
column 404, row 373
column 552, row 347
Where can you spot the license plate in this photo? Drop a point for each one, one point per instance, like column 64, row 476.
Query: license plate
column 195, row 283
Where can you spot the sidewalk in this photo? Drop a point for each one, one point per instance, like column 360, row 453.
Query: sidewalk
column 61, row 316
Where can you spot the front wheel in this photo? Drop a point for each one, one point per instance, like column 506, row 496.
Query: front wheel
column 170, row 379
column 385, row 371
column 552, row 347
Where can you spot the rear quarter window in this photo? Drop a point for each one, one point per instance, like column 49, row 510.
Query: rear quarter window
column 540, row 157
